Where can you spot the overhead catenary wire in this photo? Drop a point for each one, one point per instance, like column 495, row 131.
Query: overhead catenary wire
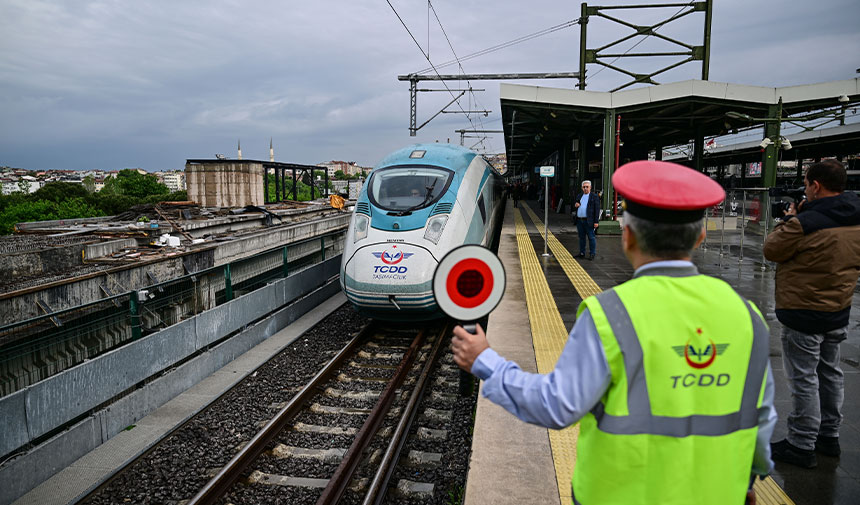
column 427, row 57
column 472, row 95
column 503, row 45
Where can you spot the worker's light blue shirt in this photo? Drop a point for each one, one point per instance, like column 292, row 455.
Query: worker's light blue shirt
column 580, row 378
column 583, row 205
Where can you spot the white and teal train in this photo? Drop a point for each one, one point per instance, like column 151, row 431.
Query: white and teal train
column 419, row 203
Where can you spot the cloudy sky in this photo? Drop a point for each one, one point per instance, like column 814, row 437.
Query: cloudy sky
column 111, row 84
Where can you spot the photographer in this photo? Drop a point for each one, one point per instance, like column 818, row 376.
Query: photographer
column 817, row 247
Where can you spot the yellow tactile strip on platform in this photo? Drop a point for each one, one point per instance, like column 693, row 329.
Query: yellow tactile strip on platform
column 549, row 336
column 582, row 282
column 768, row 491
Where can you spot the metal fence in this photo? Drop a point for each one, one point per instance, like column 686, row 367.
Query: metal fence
column 42, row 346
column 738, row 227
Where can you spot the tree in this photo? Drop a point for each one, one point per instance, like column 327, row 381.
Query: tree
column 338, row 174
column 132, row 183
column 44, row 210
column 59, row 191
column 89, row 184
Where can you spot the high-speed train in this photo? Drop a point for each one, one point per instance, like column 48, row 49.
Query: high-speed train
column 419, row 203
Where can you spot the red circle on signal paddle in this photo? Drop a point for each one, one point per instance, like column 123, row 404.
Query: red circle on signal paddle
column 461, row 281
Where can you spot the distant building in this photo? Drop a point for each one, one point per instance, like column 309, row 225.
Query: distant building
column 173, row 179
column 347, row 167
column 498, row 161
column 23, row 184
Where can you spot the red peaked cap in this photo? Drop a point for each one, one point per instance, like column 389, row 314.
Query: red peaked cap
column 666, row 192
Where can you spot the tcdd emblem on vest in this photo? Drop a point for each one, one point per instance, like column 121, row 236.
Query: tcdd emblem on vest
column 701, row 357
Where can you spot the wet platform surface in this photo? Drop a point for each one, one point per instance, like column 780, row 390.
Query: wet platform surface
column 835, row 480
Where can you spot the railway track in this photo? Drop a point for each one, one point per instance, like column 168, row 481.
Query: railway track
column 341, row 437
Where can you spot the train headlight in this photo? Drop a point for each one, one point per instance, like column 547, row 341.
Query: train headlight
column 435, row 225
column 362, row 223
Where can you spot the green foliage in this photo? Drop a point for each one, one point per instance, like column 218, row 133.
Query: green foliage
column 45, row 210
column 59, row 191
column 112, row 204
column 303, row 191
column 176, row 196
column 338, row 174
column 456, row 495
column 89, row 184
column 132, row 183
column 64, row 200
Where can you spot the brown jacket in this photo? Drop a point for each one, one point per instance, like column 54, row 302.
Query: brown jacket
column 819, row 263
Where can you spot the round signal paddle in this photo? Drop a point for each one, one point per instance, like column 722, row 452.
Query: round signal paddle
column 469, row 282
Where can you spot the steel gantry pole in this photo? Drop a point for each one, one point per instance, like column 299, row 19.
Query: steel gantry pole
column 583, row 24
column 706, row 50
column 413, row 107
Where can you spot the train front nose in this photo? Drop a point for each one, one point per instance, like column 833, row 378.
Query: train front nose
column 391, row 281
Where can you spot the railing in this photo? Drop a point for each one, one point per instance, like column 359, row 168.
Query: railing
column 39, row 347
column 738, row 227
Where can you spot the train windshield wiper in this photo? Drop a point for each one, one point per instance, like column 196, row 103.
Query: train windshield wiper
column 427, row 199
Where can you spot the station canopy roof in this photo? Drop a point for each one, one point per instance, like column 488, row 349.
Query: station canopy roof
column 654, row 116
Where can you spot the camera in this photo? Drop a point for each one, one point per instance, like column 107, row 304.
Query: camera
column 783, row 197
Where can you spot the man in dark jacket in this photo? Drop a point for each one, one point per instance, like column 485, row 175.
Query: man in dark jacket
column 817, row 248
column 586, row 213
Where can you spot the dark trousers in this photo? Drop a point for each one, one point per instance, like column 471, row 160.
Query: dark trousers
column 583, row 229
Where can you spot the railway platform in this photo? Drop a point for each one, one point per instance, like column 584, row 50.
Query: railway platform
column 514, row 462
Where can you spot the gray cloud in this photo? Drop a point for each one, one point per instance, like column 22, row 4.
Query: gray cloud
column 103, row 84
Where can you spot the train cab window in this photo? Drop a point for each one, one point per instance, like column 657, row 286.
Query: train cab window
column 404, row 189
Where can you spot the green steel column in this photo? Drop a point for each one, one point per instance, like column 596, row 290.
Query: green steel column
column 134, row 314
column 658, row 153
column 564, row 166
column 286, row 267
column 583, row 23
column 698, row 150
column 228, row 284
column 582, row 158
column 706, row 57
column 771, row 152
column 608, row 157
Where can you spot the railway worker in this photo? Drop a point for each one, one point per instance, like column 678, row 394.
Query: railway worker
column 816, row 248
column 667, row 373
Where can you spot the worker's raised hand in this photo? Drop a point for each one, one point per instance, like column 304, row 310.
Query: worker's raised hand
column 467, row 347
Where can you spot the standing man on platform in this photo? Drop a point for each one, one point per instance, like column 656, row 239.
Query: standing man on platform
column 668, row 372
column 817, row 248
column 587, row 208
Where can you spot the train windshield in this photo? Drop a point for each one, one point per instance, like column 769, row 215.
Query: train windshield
column 404, row 189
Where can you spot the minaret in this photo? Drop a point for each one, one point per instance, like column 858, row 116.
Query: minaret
column 271, row 150
column 240, row 150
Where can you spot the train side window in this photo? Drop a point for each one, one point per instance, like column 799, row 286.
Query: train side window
column 482, row 209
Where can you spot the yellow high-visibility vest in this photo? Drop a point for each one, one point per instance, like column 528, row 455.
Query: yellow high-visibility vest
column 678, row 423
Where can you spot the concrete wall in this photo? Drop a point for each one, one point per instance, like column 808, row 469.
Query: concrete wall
column 21, row 305
column 37, row 410
column 103, row 249
column 225, row 183
column 41, row 262
column 39, row 464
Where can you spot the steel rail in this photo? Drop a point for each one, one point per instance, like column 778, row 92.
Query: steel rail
column 339, row 482
column 221, row 483
column 378, row 486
